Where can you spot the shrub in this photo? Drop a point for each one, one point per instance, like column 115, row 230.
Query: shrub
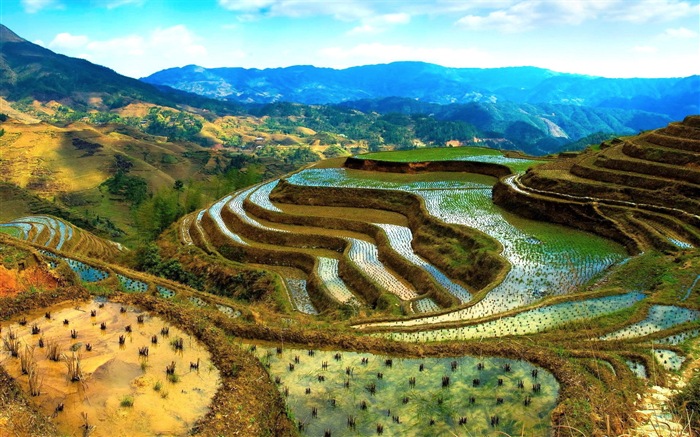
column 127, row 401
column 687, row 403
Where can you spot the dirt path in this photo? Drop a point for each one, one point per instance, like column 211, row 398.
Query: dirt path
column 653, row 412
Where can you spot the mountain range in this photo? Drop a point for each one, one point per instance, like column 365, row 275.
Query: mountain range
column 535, row 110
column 429, row 83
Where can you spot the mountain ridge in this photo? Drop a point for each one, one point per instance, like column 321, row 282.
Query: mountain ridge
column 28, row 70
column 432, row 83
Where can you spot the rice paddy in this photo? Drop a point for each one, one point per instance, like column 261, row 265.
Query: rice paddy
column 327, row 270
column 132, row 285
column 300, row 296
column 545, row 259
column 57, row 234
column 366, row 256
column 96, row 367
column 349, row 393
column 527, row 322
column 659, row 318
column 400, row 238
column 669, row 360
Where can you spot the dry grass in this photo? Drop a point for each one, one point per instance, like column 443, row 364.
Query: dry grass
column 73, row 366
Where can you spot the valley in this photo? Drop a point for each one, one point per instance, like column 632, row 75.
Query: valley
column 397, row 249
column 336, row 280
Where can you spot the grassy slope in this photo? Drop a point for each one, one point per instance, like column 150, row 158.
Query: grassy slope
column 431, row 154
column 517, row 164
column 44, row 160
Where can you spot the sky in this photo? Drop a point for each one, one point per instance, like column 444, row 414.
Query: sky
column 610, row 38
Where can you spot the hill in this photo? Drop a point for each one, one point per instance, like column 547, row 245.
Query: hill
column 537, row 129
column 84, row 143
column 642, row 191
column 29, row 71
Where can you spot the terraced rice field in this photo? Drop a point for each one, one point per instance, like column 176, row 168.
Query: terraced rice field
column 17, row 230
column 215, row 213
column 366, row 256
column 300, row 296
column 261, row 196
column 108, row 368
column 400, row 238
column 434, row 154
column 669, row 360
column 546, row 259
column 56, row 234
column 164, row 292
column 235, row 205
column 425, row 305
column 362, row 253
column 677, row 339
column 659, row 318
column 637, row 368
column 87, row 273
column 132, row 285
column 349, row 393
column 91, row 274
column 527, row 322
column 517, row 165
column 327, row 270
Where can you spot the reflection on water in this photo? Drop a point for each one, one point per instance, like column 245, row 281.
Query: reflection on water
column 352, row 393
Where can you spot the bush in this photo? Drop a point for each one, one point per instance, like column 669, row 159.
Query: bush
column 127, row 401
column 148, row 260
column 686, row 404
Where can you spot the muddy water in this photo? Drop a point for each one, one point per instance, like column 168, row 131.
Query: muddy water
column 114, row 374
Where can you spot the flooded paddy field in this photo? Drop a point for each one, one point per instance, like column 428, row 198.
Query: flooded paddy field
column 110, row 370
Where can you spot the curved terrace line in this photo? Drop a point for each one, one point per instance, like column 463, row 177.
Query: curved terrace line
column 515, row 183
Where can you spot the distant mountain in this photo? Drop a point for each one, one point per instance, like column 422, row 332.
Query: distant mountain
column 28, row 70
column 536, row 110
column 673, row 97
column 534, row 128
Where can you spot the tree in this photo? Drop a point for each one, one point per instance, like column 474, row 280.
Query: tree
column 122, row 164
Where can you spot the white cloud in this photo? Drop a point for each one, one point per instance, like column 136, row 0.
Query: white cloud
column 248, row 6
column 656, row 10
column 503, row 15
column 522, row 15
column 399, row 18
column 645, row 49
column 363, row 29
column 680, row 32
column 527, row 14
column 378, row 53
column 112, row 4
column 346, row 10
column 132, row 45
column 505, row 21
column 137, row 55
column 33, row 6
column 67, row 41
column 380, row 23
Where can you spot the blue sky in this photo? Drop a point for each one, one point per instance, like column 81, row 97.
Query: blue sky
column 611, row 38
